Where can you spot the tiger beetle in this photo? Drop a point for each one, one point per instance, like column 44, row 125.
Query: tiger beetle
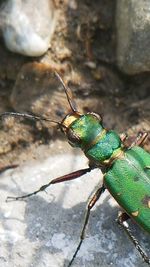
column 126, row 169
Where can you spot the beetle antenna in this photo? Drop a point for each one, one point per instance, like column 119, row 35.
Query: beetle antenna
column 68, row 93
column 28, row 116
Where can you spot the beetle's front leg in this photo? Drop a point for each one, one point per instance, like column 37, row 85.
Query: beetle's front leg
column 122, row 221
column 68, row 177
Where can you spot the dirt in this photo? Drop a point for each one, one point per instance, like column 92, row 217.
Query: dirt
column 83, row 52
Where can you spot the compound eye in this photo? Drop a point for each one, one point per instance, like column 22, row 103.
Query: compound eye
column 73, row 138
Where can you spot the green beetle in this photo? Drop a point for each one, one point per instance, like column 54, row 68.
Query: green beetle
column 126, row 169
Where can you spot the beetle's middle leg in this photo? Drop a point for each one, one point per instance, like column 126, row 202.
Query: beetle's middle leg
column 90, row 205
column 122, row 221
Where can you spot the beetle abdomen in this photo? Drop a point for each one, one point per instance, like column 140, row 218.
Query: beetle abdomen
column 128, row 181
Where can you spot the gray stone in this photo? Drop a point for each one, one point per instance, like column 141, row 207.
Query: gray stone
column 44, row 230
column 28, row 26
column 133, row 35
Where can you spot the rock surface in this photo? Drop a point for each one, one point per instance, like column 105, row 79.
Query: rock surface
column 133, row 35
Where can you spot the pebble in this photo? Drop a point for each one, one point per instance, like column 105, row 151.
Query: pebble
column 28, row 26
column 133, row 35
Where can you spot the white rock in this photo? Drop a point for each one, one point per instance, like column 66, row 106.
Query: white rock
column 28, row 26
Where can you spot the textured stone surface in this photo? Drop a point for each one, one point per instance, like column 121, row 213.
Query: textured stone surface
column 133, row 35
column 31, row 32
column 44, row 230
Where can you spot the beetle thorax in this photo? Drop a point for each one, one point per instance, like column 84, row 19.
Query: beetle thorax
column 87, row 132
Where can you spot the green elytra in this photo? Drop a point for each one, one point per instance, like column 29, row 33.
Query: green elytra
column 126, row 169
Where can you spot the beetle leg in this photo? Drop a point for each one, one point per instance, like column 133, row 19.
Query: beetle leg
column 123, row 137
column 121, row 220
column 67, row 177
column 2, row 169
column 91, row 203
column 139, row 139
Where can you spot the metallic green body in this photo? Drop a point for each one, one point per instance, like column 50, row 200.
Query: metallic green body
column 128, row 181
column 128, row 170
column 87, row 128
